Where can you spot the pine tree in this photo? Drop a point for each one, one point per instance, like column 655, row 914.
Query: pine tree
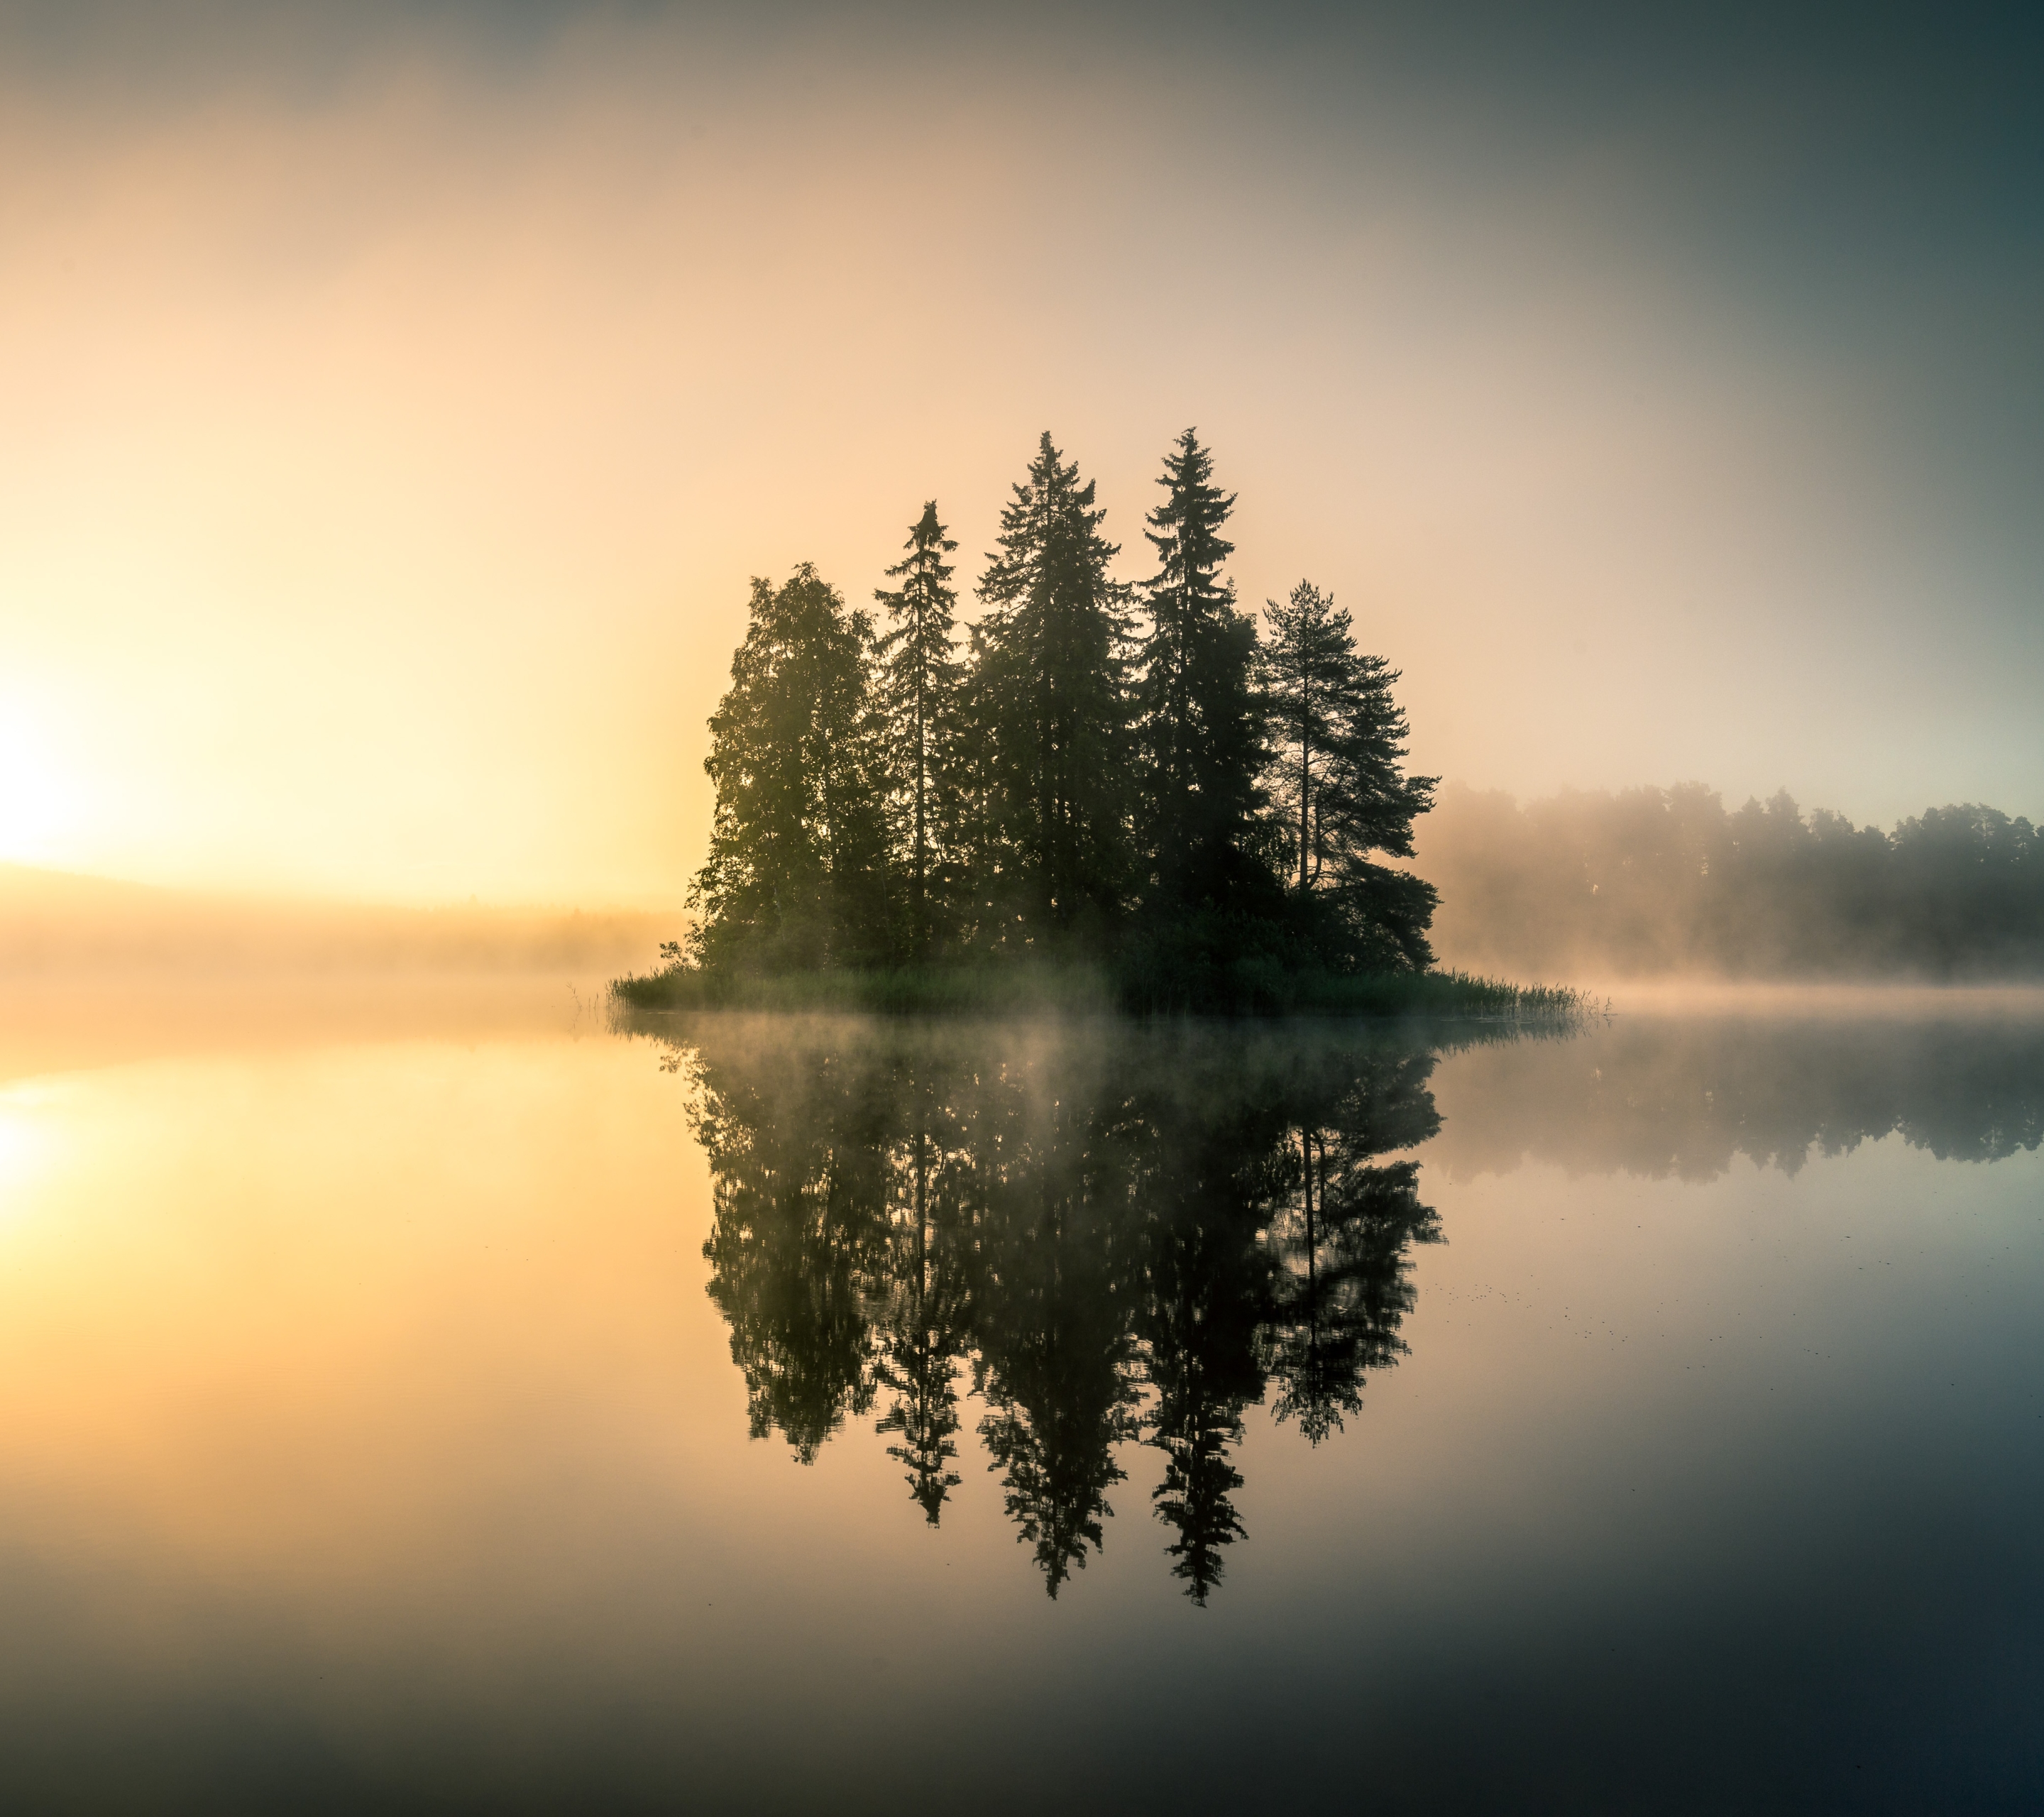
column 1200, row 723
column 796, row 873
column 1309, row 659
column 919, row 694
column 1342, row 790
column 1052, row 706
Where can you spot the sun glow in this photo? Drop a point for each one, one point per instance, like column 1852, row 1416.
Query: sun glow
column 25, row 1145
column 40, row 804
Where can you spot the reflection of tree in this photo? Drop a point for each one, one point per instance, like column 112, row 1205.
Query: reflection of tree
column 927, row 1324
column 799, row 1234
column 1126, row 1235
column 1339, row 1233
column 1200, row 1324
column 1205, row 1187
column 1343, row 1285
column 1056, row 1355
column 1678, row 1096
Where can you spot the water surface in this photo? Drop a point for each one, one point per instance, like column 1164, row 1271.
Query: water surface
column 456, row 1405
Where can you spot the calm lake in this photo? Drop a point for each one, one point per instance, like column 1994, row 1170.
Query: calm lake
column 460, row 1403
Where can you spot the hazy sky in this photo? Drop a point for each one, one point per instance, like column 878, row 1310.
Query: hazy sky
column 393, row 401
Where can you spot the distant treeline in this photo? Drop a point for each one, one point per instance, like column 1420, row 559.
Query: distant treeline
column 1138, row 776
column 1669, row 880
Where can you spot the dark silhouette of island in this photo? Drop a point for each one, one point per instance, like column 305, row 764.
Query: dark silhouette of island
column 1118, row 1240
column 1138, row 784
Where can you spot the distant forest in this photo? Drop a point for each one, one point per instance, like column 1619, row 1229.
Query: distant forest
column 1669, row 880
column 1139, row 777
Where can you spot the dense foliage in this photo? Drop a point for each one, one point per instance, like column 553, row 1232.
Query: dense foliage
column 797, row 872
column 1664, row 880
column 1129, row 777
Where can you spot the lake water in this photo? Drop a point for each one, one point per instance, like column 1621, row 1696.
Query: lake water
column 454, row 1404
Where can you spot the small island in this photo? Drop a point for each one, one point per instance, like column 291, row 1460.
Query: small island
column 1103, row 796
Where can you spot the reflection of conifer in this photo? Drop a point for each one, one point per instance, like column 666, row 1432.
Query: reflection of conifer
column 1054, row 1325
column 1202, row 1363
column 1343, row 1283
column 1203, row 1189
column 799, row 1227
column 1052, row 1435
column 1198, row 1481
column 927, row 1334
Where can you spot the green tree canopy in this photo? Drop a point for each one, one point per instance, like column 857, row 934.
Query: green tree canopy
column 797, row 876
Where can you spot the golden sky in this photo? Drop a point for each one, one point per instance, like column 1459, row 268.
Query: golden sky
column 389, row 430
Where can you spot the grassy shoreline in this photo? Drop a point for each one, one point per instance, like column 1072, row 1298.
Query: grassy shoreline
column 1086, row 989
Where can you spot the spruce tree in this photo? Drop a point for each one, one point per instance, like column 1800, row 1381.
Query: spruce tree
column 1309, row 659
column 1051, row 706
column 1199, row 725
column 918, row 696
column 796, row 873
column 1342, row 793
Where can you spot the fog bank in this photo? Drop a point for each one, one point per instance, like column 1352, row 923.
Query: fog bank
column 1649, row 883
column 54, row 924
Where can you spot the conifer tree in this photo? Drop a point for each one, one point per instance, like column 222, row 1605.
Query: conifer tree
column 1310, row 658
column 1050, row 703
column 1343, row 792
column 796, row 873
column 1199, row 725
column 919, row 694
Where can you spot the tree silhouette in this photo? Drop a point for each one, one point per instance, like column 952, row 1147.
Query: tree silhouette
column 1199, row 727
column 1051, row 705
column 1342, row 792
column 796, row 872
column 919, row 688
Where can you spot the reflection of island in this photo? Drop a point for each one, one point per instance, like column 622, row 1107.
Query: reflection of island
column 1107, row 1234
column 1664, row 1097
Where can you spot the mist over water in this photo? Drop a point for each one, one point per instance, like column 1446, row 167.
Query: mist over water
column 1031, row 910
column 485, row 1411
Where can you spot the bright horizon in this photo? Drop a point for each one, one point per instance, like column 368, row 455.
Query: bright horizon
column 394, row 423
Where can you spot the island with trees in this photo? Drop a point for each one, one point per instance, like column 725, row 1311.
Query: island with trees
column 1094, row 793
